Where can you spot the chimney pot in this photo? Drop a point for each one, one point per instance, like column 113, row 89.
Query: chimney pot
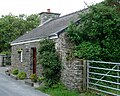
column 48, row 10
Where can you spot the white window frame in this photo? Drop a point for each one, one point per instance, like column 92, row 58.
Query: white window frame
column 20, row 52
column 21, row 56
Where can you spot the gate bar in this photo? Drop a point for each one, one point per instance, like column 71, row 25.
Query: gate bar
column 104, row 91
column 105, row 86
column 105, row 81
column 107, row 69
column 104, row 75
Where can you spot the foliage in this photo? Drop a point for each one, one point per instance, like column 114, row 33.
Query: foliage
column 21, row 75
column 33, row 77
column 97, row 36
column 11, row 27
column 92, row 93
column 40, row 79
column 61, row 90
column 58, row 90
column 6, row 53
column 87, row 50
column 50, row 62
column 15, row 71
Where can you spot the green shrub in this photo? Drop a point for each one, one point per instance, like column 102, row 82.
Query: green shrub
column 50, row 62
column 6, row 52
column 40, row 79
column 15, row 71
column 33, row 77
column 21, row 75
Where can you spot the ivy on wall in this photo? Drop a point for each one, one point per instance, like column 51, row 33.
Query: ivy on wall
column 49, row 59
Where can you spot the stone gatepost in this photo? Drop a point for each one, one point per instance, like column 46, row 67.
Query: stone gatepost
column 74, row 76
column 2, row 59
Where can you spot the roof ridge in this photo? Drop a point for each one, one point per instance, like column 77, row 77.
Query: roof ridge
column 82, row 10
column 62, row 16
column 49, row 20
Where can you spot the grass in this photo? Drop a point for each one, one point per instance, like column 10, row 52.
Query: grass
column 60, row 90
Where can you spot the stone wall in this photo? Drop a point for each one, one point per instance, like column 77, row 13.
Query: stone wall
column 72, row 69
column 27, row 64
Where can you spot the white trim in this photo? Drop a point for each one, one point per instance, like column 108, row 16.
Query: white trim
column 21, row 56
column 12, row 44
column 53, row 37
column 25, row 42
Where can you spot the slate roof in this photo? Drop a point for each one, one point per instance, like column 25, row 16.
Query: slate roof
column 51, row 27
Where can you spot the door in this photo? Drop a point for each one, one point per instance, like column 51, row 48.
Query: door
column 34, row 60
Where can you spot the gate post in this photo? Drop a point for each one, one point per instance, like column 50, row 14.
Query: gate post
column 87, row 63
column 84, row 75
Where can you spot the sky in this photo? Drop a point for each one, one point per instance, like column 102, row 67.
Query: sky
column 29, row 7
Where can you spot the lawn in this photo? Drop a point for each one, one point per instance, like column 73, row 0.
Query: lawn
column 60, row 90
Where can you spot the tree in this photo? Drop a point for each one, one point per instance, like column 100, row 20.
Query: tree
column 11, row 27
column 97, row 36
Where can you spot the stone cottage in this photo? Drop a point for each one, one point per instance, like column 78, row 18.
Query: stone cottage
column 52, row 26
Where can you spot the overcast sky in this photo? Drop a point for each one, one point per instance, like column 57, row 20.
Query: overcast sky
column 28, row 7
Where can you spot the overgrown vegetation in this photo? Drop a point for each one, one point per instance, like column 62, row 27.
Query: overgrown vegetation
column 49, row 59
column 97, row 36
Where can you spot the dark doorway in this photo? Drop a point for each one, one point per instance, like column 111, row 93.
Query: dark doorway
column 34, row 59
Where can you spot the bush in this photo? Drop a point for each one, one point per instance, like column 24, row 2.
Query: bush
column 50, row 62
column 33, row 77
column 21, row 75
column 15, row 71
column 40, row 79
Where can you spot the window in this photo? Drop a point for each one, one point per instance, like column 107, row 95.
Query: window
column 20, row 52
column 21, row 56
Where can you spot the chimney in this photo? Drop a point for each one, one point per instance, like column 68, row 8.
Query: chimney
column 48, row 10
column 46, row 16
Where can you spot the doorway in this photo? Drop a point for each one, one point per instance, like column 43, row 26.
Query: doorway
column 34, row 59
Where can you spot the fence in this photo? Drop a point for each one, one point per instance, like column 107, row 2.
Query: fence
column 5, row 60
column 104, row 77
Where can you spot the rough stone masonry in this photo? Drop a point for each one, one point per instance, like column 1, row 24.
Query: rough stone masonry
column 72, row 69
